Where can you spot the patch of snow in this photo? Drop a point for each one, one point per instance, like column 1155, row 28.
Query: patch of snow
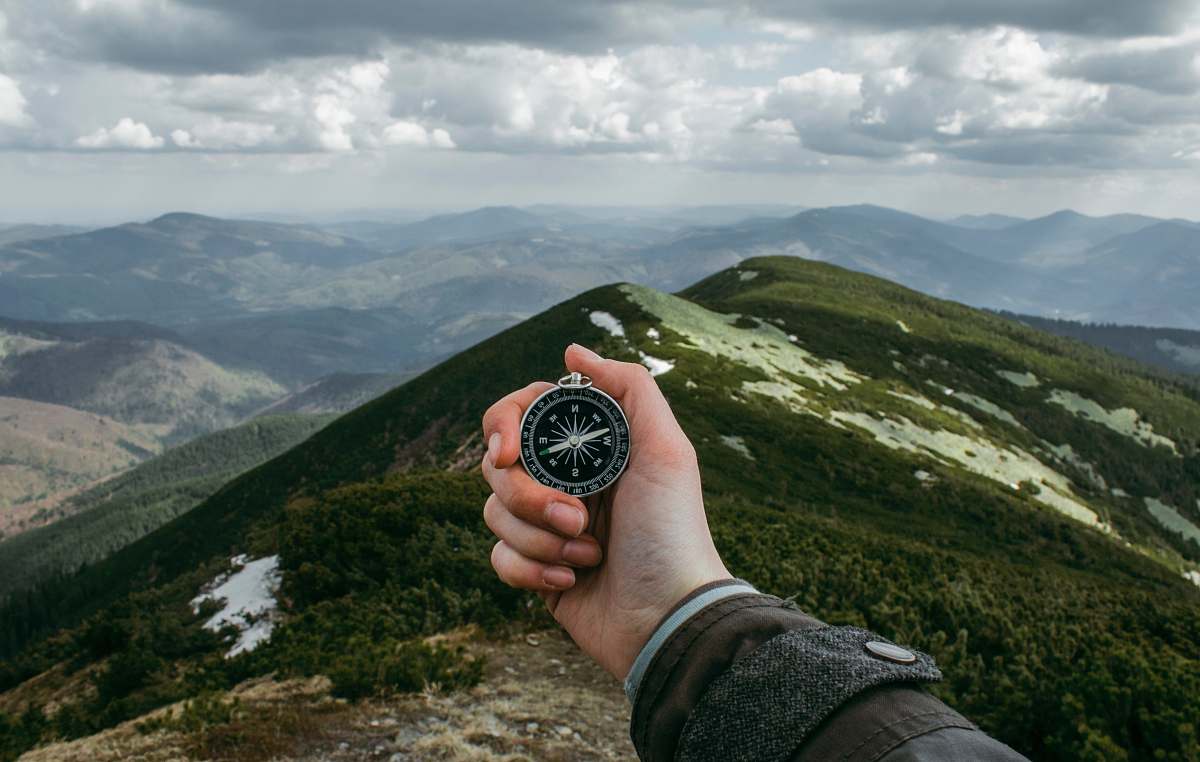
column 989, row 407
column 925, row 359
column 607, row 321
column 657, row 366
column 791, row 395
column 1171, row 519
column 690, row 384
column 922, row 475
column 793, row 338
column 746, row 275
column 903, row 326
column 1193, row 577
column 1184, row 354
column 1024, row 380
column 249, row 602
column 1118, row 492
column 1123, row 420
column 737, row 443
column 916, row 399
column 653, row 333
column 899, row 366
column 1007, row 466
column 765, row 347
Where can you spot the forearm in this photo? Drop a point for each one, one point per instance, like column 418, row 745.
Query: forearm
column 749, row 677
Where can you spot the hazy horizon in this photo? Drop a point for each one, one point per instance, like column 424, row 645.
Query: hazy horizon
column 402, row 215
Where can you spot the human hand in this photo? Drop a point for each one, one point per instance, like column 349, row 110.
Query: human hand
column 611, row 569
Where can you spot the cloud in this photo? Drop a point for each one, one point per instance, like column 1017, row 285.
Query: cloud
column 13, row 104
column 412, row 134
column 125, row 134
column 238, row 37
column 744, row 88
column 1173, row 70
column 232, row 36
column 1105, row 18
column 221, row 134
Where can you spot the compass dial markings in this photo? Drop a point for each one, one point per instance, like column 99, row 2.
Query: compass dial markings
column 576, row 440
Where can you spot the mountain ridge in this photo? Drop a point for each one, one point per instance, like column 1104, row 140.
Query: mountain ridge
column 950, row 478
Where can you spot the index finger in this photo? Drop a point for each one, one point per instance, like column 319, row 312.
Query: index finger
column 504, row 419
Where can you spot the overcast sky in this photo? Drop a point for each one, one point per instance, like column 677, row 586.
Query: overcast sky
column 128, row 108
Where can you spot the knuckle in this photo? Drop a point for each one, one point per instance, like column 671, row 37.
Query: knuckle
column 549, row 547
column 679, row 452
column 502, row 571
column 527, row 503
column 489, row 416
column 494, row 416
column 633, row 369
column 491, row 511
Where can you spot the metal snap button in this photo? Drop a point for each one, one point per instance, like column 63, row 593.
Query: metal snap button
column 890, row 652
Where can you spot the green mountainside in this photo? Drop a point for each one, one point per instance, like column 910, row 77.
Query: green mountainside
column 116, row 512
column 1022, row 506
column 1172, row 349
column 48, row 451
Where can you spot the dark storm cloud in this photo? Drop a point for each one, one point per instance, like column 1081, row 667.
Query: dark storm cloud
column 236, row 36
column 1106, row 18
column 1172, row 71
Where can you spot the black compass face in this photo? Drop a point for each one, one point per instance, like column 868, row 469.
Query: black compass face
column 575, row 440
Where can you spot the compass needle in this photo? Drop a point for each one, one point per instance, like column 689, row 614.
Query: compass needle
column 560, row 438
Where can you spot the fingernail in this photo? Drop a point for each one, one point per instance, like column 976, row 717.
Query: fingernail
column 566, row 519
column 581, row 553
column 558, row 577
column 592, row 355
column 494, row 447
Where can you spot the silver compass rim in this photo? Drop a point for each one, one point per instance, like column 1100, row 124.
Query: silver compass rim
column 624, row 419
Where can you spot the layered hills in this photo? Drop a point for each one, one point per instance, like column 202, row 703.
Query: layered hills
column 117, row 511
column 1020, row 505
column 84, row 401
column 185, row 269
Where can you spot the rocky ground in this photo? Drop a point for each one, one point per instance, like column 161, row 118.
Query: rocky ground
column 541, row 699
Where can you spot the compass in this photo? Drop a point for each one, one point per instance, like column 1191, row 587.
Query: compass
column 574, row 437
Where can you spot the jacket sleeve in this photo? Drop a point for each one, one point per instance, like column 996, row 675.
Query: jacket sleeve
column 732, row 674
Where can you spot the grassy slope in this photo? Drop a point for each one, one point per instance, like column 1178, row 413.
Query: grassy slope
column 121, row 510
column 1052, row 635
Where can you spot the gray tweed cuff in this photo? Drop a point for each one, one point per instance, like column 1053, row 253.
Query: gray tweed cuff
column 763, row 707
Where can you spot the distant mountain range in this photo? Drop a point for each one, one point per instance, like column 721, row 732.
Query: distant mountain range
column 184, row 270
column 16, row 233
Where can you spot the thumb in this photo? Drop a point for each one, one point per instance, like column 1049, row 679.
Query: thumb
column 629, row 383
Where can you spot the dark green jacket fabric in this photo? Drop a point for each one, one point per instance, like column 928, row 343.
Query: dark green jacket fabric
column 750, row 677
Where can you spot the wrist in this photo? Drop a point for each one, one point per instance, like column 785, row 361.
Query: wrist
column 688, row 606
